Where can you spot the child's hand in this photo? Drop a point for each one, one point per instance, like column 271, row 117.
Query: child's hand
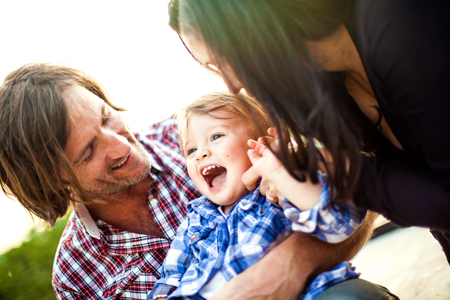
column 304, row 195
column 263, row 160
column 267, row 165
column 251, row 176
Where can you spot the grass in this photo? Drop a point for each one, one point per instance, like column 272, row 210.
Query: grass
column 26, row 271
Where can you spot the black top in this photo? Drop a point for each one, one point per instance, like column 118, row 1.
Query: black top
column 405, row 48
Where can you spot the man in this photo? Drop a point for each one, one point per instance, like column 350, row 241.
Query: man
column 63, row 143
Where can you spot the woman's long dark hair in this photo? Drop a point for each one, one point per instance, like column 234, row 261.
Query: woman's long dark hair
column 262, row 42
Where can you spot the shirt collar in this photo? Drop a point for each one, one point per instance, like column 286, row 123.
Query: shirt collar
column 153, row 162
column 87, row 221
column 202, row 202
column 85, row 216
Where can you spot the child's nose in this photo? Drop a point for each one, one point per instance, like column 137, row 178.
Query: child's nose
column 204, row 153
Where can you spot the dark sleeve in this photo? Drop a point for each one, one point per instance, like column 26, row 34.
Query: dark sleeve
column 405, row 195
column 405, row 47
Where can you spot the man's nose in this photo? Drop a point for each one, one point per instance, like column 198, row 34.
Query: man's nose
column 115, row 145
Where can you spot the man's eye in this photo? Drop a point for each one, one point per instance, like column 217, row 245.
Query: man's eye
column 91, row 154
column 106, row 117
column 190, row 151
column 216, row 136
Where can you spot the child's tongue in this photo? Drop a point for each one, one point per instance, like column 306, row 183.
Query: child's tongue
column 219, row 179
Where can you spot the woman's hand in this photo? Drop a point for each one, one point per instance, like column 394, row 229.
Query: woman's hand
column 271, row 192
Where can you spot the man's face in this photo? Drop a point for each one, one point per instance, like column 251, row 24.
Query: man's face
column 104, row 154
column 216, row 153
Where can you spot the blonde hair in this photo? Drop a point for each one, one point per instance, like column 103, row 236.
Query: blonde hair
column 241, row 105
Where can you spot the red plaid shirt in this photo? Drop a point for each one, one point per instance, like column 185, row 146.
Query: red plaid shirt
column 94, row 260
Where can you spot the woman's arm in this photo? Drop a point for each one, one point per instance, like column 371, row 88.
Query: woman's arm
column 286, row 270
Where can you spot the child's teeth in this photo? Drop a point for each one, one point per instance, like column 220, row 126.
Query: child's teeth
column 205, row 170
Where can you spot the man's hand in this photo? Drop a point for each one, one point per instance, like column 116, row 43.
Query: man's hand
column 286, row 270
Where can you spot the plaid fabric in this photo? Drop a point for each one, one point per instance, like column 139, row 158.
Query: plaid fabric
column 340, row 273
column 94, row 260
column 330, row 222
column 208, row 242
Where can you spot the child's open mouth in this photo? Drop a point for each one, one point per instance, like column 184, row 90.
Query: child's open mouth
column 214, row 175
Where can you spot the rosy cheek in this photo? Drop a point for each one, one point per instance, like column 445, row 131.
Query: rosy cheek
column 191, row 170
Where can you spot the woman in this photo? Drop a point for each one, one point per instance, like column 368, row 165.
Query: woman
column 358, row 76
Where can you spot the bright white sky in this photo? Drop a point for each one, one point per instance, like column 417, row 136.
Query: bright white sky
column 126, row 45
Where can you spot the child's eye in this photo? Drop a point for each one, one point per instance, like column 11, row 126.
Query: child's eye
column 216, row 136
column 190, row 151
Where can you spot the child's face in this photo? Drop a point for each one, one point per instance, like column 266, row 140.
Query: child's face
column 216, row 152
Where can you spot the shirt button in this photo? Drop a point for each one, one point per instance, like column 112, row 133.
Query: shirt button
column 193, row 237
column 153, row 202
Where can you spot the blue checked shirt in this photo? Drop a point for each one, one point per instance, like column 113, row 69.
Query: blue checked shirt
column 208, row 242
column 330, row 222
column 340, row 273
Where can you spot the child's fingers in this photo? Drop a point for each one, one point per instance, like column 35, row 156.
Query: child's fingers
column 252, row 154
column 257, row 146
column 261, row 148
column 272, row 131
column 266, row 140
column 250, row 178
column 257, row 152
column 252, row 143
column 261, row 140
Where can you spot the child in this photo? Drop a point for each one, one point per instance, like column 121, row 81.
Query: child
column 227, row 229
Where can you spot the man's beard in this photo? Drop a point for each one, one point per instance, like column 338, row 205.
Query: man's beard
column 102, row 188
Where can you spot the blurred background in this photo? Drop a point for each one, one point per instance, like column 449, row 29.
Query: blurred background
column 129, row 48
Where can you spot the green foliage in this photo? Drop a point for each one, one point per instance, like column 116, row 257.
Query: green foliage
column 26, row 271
